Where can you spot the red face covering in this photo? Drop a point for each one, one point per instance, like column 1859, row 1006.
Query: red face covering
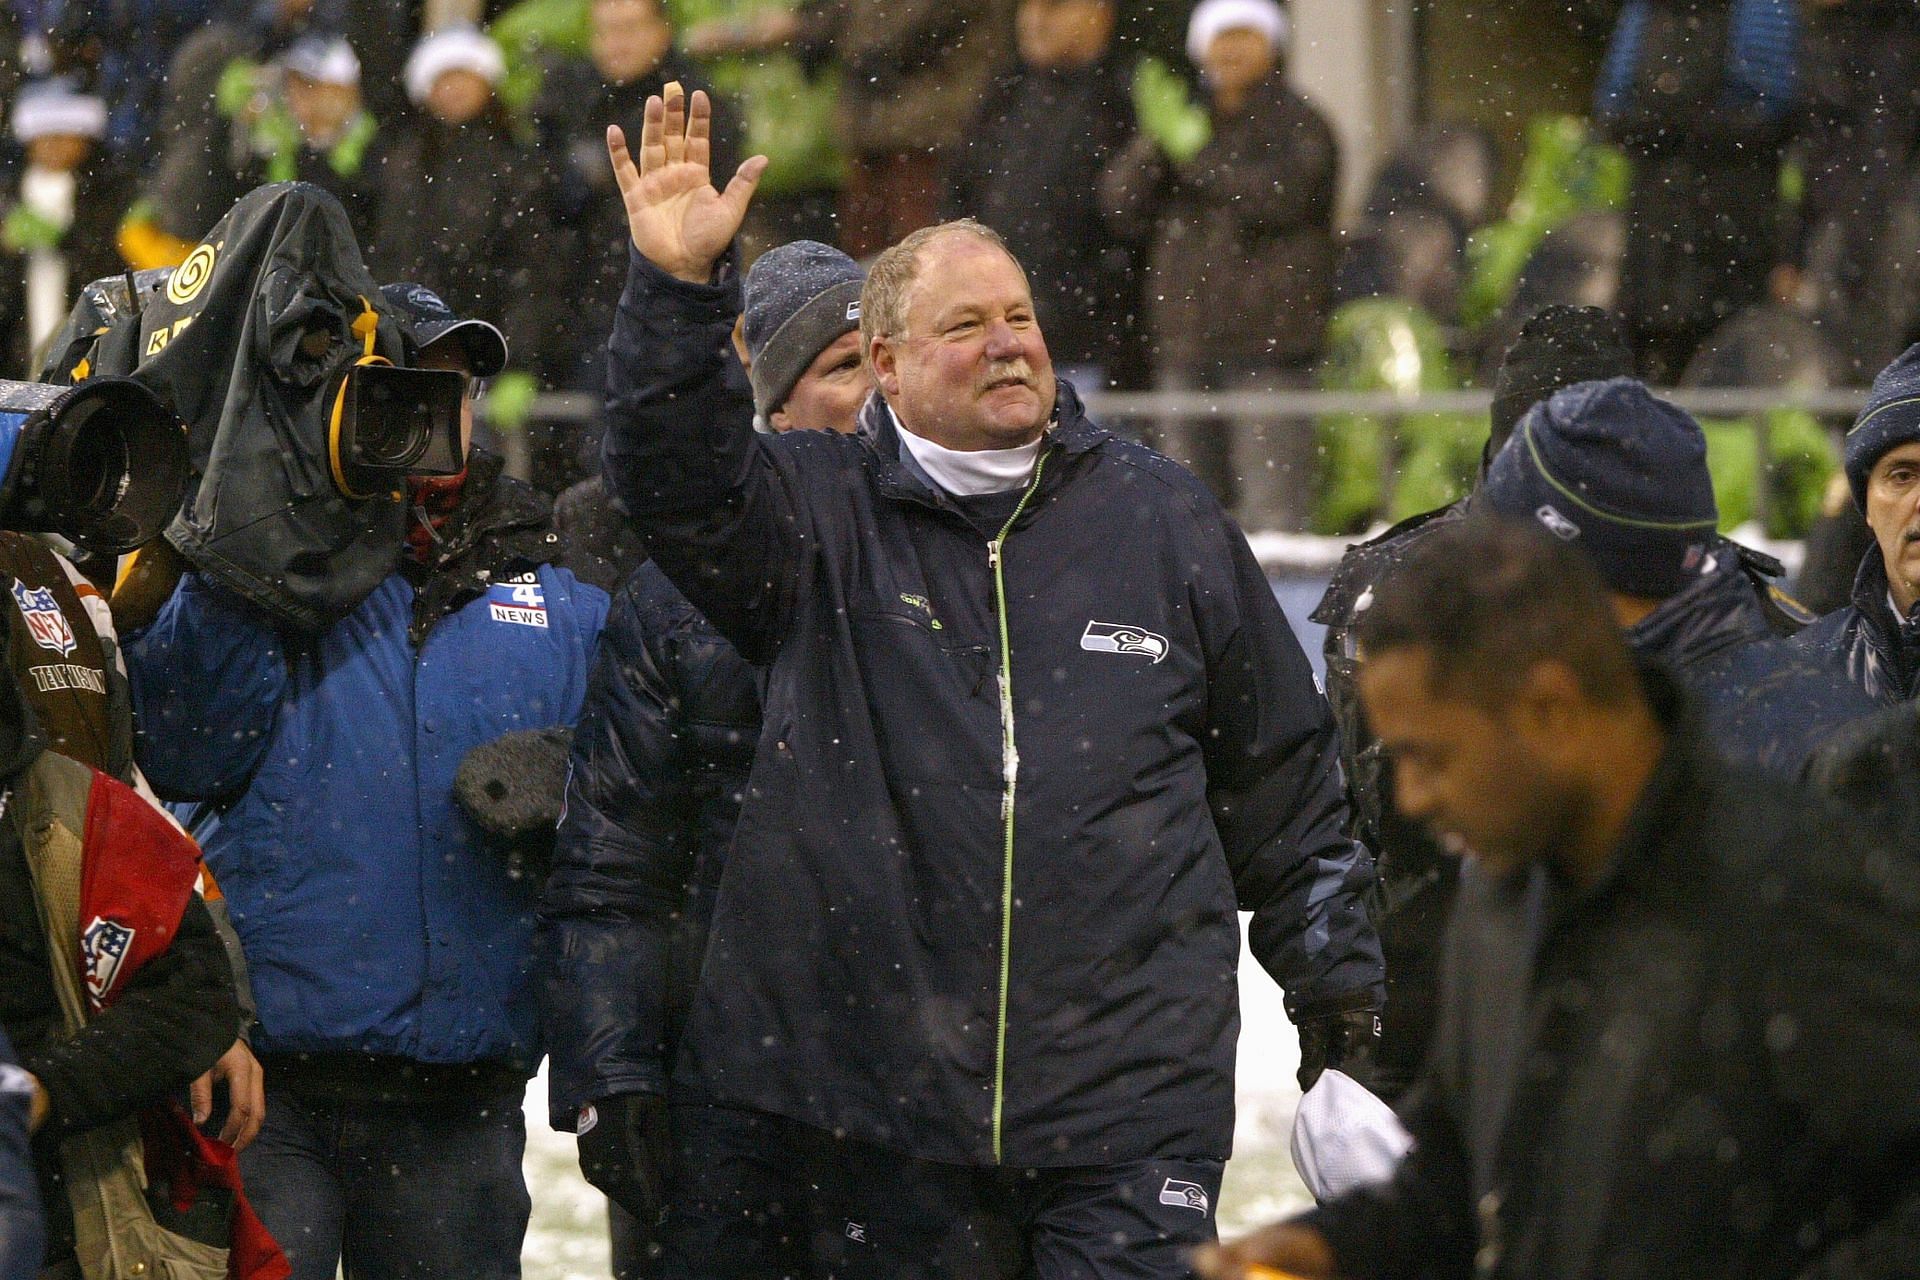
column 433, row 499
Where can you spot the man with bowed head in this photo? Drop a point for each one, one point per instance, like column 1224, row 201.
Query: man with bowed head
column 1678, row 1024
column 1034, row 728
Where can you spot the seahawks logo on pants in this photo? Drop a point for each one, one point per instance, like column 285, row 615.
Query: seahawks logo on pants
column 1116, row 637
column 1184, row 1195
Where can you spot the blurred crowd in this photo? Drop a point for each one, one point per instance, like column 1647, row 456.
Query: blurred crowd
column 1744, row 194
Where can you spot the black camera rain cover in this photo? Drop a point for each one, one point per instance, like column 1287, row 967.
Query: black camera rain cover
column 248, row 340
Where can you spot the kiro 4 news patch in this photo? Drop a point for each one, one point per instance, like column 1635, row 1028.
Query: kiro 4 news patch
column 518, row 601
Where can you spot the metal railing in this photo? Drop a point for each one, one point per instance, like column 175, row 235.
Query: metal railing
column 1137, row 409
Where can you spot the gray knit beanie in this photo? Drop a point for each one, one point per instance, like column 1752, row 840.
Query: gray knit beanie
column 800, row 298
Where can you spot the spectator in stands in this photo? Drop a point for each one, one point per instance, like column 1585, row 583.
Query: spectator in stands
column 317, row 130
column 216, row 87
column 61, row 216
column 1855, row 137
column 631, row 55
column 789, row 114
column 460, row 198
column 1240, row 264
column 1031, row 170
column 1700, row 94
column 914, row 72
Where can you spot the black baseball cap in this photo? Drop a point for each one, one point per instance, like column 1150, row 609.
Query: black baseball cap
column 432, row 320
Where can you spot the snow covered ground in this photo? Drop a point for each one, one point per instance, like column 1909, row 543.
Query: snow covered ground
column 568, row 1237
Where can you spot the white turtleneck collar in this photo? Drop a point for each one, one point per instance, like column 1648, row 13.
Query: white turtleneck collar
column 969, row 473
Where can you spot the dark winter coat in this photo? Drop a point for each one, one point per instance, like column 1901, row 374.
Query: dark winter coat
column 1864, row 642
column 1873, row 768
column 461, row 211
column 602, row 546
column 1700, row 1068
column 1761, row 703
column 924, row 938
column 589, row 253
column 377, row 917
column 1031, row 170
column 912, row 71
column 102, row 191
column 1240, row 238
column 1699, row 93
column 660, row 763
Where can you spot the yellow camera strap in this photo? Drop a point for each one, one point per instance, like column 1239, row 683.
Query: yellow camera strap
column 366, row 327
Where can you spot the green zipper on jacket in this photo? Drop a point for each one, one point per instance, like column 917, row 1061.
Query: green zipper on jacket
column 1009, row 772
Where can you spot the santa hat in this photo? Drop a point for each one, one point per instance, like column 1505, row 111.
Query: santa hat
column 55, row 107
column 1211, row 17
column 454, row 49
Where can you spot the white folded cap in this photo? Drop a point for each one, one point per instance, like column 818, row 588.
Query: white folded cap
column 1211, row 17
column 324, row 60
column 56, row 108
column 1345, row 1137
column 454, row 49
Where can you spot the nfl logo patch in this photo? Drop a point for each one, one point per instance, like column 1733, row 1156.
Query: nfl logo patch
column 45, row 623
column 102, row 947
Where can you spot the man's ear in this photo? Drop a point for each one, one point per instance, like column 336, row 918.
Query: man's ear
column 883, row 360
column 1549, row 707
column 740, row 342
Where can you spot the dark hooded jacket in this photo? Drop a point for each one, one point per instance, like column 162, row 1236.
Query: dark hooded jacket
column 1761, row 703
column 1022, row 914
column 660, row 762
column 1865, row 643
column 1699, row 1068
column 1031, row 171
column 461, row 209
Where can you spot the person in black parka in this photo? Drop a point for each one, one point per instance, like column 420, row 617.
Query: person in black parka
column 1031, row 170
column 460, row 197
column 1652, row 961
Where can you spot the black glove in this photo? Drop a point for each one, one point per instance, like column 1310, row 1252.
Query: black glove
column 1348, row 1041
column 628, row 1152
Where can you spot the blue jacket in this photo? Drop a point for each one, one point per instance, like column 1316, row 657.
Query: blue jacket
column 660, row 761
column 1864, row 643
column 22, row 1232
column 973, row 918
column 374, row 916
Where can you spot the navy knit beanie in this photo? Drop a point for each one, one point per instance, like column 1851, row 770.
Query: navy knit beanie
column 1891, row 417
column 800, row 298
column 1620, row 473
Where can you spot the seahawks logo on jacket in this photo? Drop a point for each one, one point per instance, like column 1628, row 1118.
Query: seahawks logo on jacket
column 102, row 948
column 1117, row 637
column 45, row 623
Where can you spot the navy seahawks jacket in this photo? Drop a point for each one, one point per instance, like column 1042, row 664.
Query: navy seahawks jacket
column 980, row 907
column 659, row 763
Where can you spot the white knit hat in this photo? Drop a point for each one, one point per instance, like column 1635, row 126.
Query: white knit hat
column 1211, row 17
column 454, row 49
column 54, row 107
column 324, row 60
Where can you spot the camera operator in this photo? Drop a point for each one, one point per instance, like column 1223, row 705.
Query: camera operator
column 388, row 937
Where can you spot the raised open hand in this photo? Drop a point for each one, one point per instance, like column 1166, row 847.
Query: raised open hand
column 677, row 220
